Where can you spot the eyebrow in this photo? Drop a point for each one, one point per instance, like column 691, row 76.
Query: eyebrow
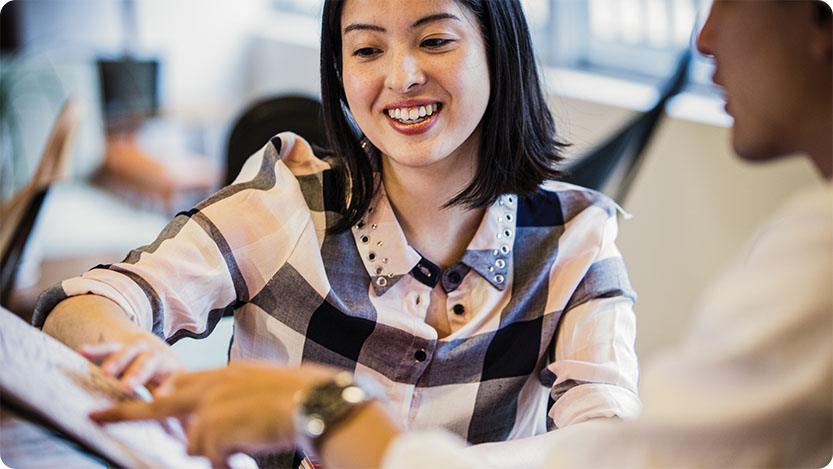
column 420, row 22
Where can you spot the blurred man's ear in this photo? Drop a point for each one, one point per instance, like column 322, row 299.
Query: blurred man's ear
column 823, row 26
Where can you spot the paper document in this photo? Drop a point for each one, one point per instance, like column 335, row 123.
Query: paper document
column 52, row 381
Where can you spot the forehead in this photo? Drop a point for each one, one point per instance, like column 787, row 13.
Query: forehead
column 392, row 15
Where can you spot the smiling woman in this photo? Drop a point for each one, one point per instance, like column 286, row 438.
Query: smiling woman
column 433, row 254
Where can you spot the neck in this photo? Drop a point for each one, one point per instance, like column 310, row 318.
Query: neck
column 820, row 123
column 417, row 196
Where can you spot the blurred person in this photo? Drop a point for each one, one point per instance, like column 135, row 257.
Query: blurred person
column 433, row 253
column 750, row 385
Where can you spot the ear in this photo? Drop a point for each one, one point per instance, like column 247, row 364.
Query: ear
column 822, row 46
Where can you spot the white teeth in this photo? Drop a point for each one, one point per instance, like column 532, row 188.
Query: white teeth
column 404, row 114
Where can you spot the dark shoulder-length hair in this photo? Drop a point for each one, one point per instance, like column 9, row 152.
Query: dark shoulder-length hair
column 519, row 148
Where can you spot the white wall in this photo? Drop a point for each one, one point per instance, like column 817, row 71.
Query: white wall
column 204, row 47
column 694, row 204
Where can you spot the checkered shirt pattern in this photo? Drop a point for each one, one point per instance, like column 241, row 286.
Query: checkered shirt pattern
column 540, row 305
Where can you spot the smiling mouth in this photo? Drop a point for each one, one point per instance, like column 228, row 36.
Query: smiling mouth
column 413, row 115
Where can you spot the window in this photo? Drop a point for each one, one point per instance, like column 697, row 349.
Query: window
column 636, row 39
column 301, row 7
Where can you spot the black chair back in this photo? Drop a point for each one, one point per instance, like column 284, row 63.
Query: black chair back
column 264, row 119
column 613, row 164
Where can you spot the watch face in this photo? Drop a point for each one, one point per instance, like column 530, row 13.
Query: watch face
column 314, row 427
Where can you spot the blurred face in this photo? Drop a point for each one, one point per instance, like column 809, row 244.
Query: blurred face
column 416, row 79
column 762, row 59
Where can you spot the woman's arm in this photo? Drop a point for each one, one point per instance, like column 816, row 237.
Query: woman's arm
column 595, row 369
column 101, row 331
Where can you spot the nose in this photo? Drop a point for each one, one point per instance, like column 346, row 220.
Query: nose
column 705, row 39
column 405, row 73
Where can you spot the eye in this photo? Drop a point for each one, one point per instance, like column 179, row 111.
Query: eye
column 436, row 42
column 366, row 52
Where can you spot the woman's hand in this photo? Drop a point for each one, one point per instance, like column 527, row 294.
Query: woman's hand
column 245, row 407
column 101, row 331
column 138, row 359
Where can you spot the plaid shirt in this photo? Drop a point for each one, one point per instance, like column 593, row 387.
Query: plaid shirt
column 540, row 305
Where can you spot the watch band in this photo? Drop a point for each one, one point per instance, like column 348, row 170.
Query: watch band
column 323, row 406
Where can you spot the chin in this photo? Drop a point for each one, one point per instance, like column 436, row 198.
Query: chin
column 757, row 153
column 751, row 146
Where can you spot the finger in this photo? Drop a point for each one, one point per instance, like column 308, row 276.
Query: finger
column 116, row 363
column 213, row 448
column 140, row 410
column 192, row 381
column 210, row 437
column 185, row 382
column 96, row 352
column 140, row 371
column 217, row 453
column 167, row 386
column 193, row 432
column 165, row 365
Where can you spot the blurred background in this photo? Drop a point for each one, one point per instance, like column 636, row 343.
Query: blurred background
column 158, row 88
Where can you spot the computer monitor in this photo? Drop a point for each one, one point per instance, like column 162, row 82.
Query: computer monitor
column 129, row 92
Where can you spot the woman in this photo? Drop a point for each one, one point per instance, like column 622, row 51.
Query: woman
column 712, row 400
column 425, row 254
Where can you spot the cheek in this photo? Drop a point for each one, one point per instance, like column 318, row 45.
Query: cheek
column 474, row 76
column 357, row 91
column 472, row 87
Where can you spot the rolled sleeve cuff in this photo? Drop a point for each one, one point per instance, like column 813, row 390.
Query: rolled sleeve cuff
column 594, row 400
column 102, row 283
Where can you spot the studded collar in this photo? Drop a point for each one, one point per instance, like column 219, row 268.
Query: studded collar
column 388, row 257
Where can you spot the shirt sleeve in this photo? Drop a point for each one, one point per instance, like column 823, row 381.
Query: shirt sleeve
column 408, row 451
column 595, row 369
column 208, row 260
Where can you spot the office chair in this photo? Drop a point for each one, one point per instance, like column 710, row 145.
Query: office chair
column 20, row 213
column 264, row 119
column 613, row 164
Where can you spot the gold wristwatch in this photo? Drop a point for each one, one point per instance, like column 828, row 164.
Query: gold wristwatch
column 323, row 406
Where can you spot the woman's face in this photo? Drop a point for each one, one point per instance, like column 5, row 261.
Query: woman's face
column 416, row 78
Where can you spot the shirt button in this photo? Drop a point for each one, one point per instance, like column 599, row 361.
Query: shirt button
column 454, row 277
column 420, row 355
column 459, row 309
